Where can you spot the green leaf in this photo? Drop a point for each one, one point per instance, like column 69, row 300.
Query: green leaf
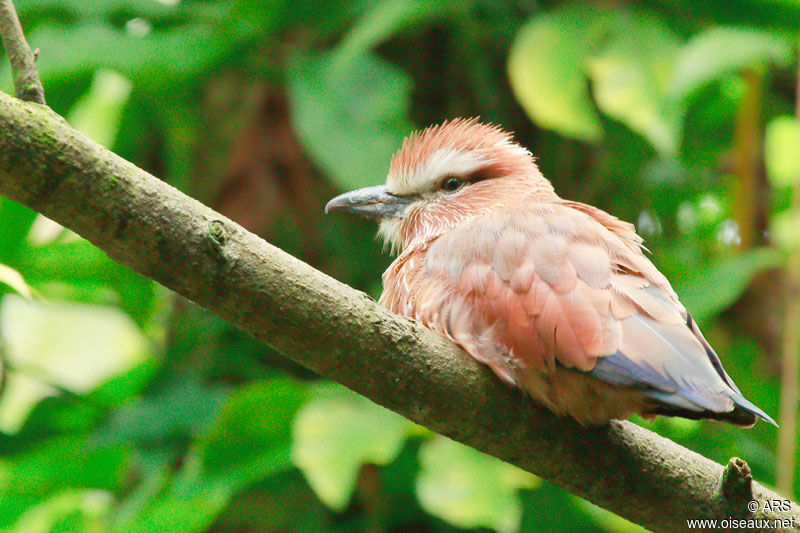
column 716, row 287
column 782, row 151
column 96, row 9
column 52, row 466
column 15, row 221
column 243, row 20
column 678, row 427
column 468, row 488
column 607, row 519
column 251, row 437
column 545, row 68
column 97, row 114
column 77, row 270
column 120, row 389
column 336, row 433
column 155, row 60
column 14, row 280
column 384, row 19
column 350, row 118
column 181, row 510
column 75, row 346
column 56, row 415
column 69, row 511
column 630, row 76
column 249, row 441
column 184, row 406
column 719, row 51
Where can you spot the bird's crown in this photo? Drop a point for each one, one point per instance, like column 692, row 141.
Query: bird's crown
column 460, row 147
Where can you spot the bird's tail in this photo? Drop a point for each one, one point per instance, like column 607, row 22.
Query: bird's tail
column 744, row 414
column 747, row 406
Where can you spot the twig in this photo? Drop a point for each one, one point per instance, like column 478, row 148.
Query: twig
column 790, row 346
column 340, row 333
column 23, row 62
column 736, row 488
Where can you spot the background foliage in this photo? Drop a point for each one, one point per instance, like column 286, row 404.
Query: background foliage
column 125, row 408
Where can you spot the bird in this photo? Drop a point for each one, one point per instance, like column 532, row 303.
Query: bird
column 557, row 297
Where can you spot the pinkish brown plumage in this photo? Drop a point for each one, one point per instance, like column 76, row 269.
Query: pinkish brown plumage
column 556, row 296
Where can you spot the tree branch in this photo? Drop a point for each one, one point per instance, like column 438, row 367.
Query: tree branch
column 23, row 62
column 342, row 334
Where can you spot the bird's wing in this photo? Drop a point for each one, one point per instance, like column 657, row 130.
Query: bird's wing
column 561, row 284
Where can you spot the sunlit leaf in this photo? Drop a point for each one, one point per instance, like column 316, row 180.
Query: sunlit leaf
column 546, row 69
column 336, row 433
column 630, row 76
column 629, row 58
column 97, row 113
column 69, row 511
column 722, row 50
column 785, row 229
column 45, row 231
column 13, row 279
column 782, row 152
column 351, row 121
column 716, row 287
column 470, row 489
column 710, row 211
column 71, row 345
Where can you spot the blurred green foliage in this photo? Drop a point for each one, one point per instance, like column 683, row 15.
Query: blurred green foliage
column 125, row 408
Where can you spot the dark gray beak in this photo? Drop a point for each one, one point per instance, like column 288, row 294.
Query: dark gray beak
column 370, row 202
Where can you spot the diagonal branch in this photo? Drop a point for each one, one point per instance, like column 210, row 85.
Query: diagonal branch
column 23, row 67
column 342, row 334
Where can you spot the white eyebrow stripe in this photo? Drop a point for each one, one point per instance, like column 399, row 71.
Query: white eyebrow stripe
column 441, row 163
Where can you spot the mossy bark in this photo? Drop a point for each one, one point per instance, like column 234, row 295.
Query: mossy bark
column 22, row 60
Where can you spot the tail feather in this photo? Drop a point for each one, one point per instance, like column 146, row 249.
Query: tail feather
column 749, row 407
column 744, row 414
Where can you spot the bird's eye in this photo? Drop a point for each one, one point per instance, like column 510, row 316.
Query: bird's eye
column 452, row 184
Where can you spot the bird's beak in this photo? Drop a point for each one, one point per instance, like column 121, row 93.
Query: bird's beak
column 370, row 202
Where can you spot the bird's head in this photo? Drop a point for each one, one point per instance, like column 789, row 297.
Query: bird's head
column 443, row 175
